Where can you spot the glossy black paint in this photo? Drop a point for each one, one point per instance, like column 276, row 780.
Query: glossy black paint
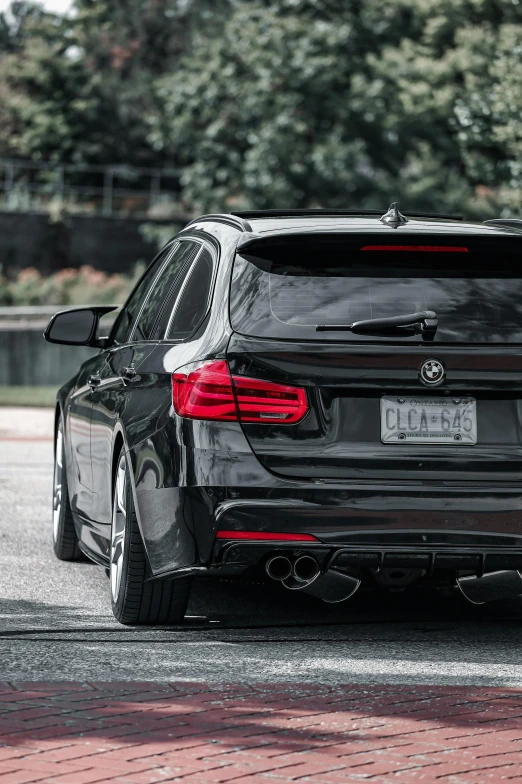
column 340, row 437
column 77, row 326
column 329, row 475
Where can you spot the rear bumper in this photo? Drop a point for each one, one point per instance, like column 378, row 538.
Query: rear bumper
column 379, row 526
column 375, row 513
column 369, row 526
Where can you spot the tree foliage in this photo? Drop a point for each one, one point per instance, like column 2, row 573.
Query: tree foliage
column 303, row 102
column 80, row 88
column 266, row 103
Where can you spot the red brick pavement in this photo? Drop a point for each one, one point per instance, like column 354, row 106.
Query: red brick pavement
column 142, row 733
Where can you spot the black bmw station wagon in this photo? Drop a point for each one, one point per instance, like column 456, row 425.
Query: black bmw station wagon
column 323, row 397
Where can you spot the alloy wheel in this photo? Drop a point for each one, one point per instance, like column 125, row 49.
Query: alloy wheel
column 119, row 520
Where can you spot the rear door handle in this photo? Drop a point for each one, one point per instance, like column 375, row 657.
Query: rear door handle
column 128, row 374
column 94, row 380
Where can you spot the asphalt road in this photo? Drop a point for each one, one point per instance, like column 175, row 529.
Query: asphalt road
column 56, row 622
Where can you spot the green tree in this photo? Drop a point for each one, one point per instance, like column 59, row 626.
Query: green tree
column 264, row 115
column 266, row 103
column 488, row 113
column 79, row 89
column 445, row 91
column 50, row 103
column 305, row 102
column 125, row 45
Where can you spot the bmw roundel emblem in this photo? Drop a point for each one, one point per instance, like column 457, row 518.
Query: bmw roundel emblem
column 432, row 372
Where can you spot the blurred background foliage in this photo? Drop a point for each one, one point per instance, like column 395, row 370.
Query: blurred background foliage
column 68, row 286
column 277, row 103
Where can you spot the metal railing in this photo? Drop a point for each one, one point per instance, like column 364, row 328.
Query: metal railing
column 28, row 316
column 116, row 189
column 35, row 316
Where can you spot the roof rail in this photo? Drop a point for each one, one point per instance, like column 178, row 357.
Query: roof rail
column 508, row 223
column 293, row 213
column 232, row 219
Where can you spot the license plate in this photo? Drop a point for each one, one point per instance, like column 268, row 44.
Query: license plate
column 428, row 420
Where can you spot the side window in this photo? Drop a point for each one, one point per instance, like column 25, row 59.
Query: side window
column 193, row 302
column 170, row 278
column 133, row 305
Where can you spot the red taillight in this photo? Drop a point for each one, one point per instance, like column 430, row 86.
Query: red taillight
column 264, row 401
column 266, row 535
column 419, row 248
column 206, row 390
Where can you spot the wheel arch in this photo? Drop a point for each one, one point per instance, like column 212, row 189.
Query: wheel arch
column 57, row 415
column 119, row 443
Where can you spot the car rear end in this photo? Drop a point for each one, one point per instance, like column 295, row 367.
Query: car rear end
column 388, row 454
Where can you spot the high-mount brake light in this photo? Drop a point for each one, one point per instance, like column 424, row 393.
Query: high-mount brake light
column 206, row 390
column 419, row 248
column 266, row 536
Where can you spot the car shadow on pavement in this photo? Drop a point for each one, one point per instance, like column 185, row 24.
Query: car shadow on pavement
column 240, row 604
column 268, row 603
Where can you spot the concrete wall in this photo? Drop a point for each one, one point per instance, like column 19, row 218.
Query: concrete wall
column 111, row 244
column 26, row 359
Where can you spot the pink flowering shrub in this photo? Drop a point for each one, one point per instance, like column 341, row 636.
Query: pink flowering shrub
column 82, row 286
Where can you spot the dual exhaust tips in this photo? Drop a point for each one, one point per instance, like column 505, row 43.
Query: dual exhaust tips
column 304, row 568
column 303, row 573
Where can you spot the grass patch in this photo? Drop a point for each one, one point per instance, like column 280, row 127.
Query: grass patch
column 28, row 396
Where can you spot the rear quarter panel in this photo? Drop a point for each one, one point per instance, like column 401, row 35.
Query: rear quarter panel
column 166, row 475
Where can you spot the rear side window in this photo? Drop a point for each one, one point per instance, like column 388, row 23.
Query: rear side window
column 134, row 304
column 194, row 299
column 287, row 290
column 168, row 281
column 173, row 292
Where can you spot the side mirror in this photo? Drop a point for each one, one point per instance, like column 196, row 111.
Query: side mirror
column 78, row 327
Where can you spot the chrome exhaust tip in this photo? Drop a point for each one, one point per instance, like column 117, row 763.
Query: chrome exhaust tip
column 492, row 585
column 333, row 587
column 305, row 568
column 278, row 567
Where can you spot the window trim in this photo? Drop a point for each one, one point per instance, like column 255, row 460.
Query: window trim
column 112, row 343
column 204, row 246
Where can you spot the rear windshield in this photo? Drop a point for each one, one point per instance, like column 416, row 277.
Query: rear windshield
column 287, row 289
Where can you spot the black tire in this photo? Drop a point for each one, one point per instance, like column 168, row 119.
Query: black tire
column 135, row 601
column 65, row 541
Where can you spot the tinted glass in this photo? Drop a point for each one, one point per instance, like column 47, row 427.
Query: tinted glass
column 75, row 326
column 133, row 305
column 169, row 281
column 475, row 287
column 193, row 302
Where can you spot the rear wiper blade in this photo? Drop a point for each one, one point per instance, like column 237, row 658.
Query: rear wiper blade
column 425, row 322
